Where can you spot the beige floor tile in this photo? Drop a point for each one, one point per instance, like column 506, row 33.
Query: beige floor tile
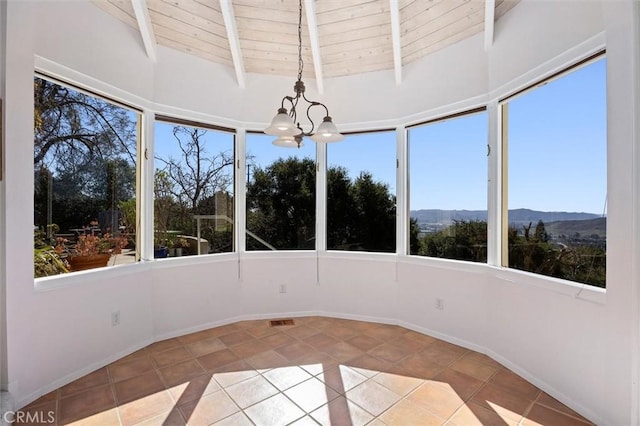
column 343, row 351
column 217, row 359
column 164, row 345
column 539, row 415
column 235, row 372
column 390, row 352
column 285, row 377
column 251, row 391
column 144, row 408
column 407, row 412
column 509, row 380
column 103, row 418
column 373, row 397
column 407, row 344
column 277, row 339
column 277, row 410
column 195, row 388
column 463, row 385
column 472, row 414
column 442, row 353
column 305, row 421
column 295, row 350
column 40, row 413
column 504, row 402
column 236, row 338
column 322, row 370
column 341, row 332
column 483, row 359
column 171, row 356
column 368, row 365
column 311, row 394
column 341, row 378
column 301, row 331
column 317, row 362
column 181, row 372
column 97, row 378
column 364, row 343
column 250, row 348
column 237, row 419
column 397, row 383
column 194, row 337
column 474, row 368
column 341, row 411
column 268, row 360
column 438, row 398
column 208, row 409
column 548, row 401
column 205, row 346
column 85, row 404
column 320, row 340
column 169, row 418
column 420, row 366
column 138, row 387
column 131, row 368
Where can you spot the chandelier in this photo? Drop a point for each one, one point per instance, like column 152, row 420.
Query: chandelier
column 285, row 124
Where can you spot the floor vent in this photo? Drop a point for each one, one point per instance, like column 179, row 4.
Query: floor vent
column 278, row 323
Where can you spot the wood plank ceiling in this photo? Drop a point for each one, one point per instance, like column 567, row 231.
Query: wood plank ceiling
column 339, row 37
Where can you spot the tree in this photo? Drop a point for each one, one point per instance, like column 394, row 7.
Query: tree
column 374, row 215
column 281, row 205
column 462, row 240
column 84, row 156
column 361, row 213
column 71, row 127
column 196, row 173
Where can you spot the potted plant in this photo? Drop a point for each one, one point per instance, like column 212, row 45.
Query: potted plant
column 90, row 251
column 46, row 260
column 181, row 245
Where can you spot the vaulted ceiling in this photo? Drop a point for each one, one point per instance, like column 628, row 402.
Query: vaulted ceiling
column 339, row 37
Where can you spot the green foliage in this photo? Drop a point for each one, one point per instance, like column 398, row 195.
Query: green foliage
column 46, row 261
column 528, row 251
column 463, row 240
column 281, row 205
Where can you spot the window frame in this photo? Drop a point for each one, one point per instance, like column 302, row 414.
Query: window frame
column 39, row 282
column 503, row 189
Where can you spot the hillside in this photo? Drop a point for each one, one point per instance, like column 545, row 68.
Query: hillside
column 516, row 216
column 585, row 228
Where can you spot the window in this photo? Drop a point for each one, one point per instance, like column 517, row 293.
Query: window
column 361, row 196
column 555, row 147
column 193, row 190
column 85, row 180
column 281, row 195
column 448, row 188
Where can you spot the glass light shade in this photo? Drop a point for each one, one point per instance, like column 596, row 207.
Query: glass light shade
column 327, row 132
column 287, row 142
column 282, row 125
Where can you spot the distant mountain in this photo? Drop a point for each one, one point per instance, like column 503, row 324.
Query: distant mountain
column 432, row 217
column 586, row 228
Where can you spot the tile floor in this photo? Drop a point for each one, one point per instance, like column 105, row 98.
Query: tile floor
column 320, row 371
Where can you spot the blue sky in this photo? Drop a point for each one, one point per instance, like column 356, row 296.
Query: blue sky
column 557, row 151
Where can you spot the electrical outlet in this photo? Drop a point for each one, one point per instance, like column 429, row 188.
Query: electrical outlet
column 115, row 318
column 283, row 288
column 440, row 304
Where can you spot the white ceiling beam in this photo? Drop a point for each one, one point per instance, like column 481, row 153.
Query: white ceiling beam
column 314, row 40
column 489, row 23
column 146, row 29
column 234, row 41
column 395, row 38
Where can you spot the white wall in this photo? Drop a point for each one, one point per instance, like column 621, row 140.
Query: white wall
column 579, row 345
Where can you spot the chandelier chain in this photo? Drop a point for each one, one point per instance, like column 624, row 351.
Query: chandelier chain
column 300, row 63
